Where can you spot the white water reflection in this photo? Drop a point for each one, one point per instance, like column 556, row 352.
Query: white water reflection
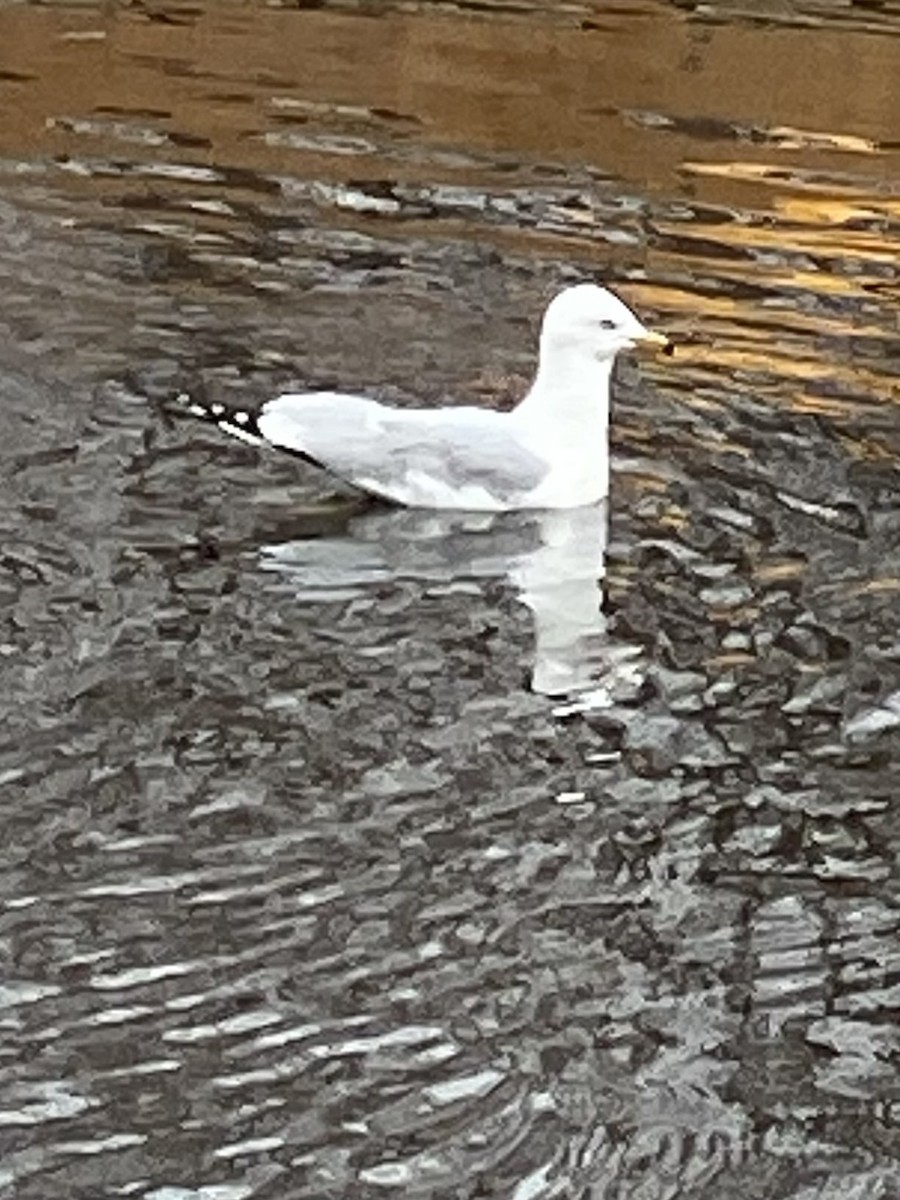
column 555, row 562
column 560, row 580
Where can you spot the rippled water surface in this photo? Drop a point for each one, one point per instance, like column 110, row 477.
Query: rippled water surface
column 359, row 853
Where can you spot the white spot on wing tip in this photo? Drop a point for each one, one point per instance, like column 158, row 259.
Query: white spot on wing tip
column 242, row 435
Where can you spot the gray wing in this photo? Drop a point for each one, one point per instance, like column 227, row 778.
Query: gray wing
column 449, row 457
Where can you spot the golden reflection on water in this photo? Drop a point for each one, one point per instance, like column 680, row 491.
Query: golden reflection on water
column 545, row 91
column 751, row 204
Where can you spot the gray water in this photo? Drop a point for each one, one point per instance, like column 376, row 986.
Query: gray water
column 363, row 853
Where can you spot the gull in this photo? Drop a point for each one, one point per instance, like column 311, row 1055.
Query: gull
column 550, row 452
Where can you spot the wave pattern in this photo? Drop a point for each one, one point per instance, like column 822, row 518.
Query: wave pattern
column 304, row 892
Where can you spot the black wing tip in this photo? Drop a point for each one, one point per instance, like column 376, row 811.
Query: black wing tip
column 242, row 423
column 233, row 419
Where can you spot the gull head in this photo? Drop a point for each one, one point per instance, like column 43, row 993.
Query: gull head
column 589, row 319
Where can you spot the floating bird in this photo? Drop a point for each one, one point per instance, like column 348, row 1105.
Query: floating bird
column 551, row 451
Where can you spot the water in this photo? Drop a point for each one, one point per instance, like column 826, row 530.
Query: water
column 358, row 853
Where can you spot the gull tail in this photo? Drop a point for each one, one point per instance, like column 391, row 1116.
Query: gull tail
column 239, row 422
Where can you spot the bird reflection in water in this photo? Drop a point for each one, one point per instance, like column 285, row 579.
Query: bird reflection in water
column 554, row 560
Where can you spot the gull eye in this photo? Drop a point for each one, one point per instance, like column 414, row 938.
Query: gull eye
column 607, row 324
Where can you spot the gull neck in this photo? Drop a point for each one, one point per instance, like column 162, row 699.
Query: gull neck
column 571, row 387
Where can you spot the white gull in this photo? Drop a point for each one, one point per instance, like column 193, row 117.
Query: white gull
column 550, row 452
